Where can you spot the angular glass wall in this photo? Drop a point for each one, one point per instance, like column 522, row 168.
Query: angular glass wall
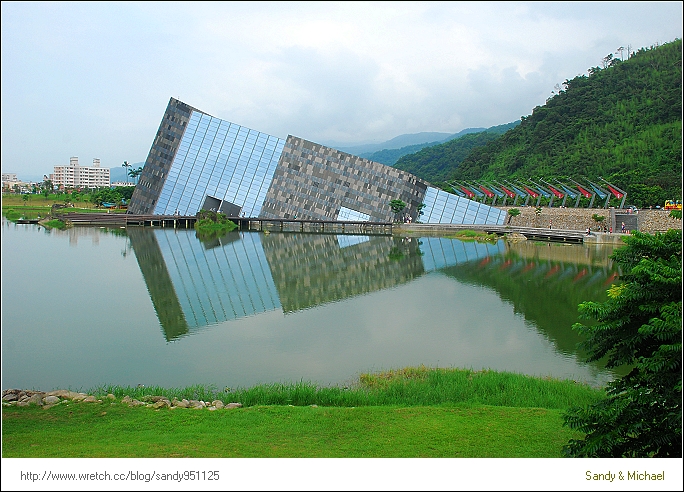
column 444, row 208
column 229, row 281
column 200, row 162
column 439, row 252
column 352, row 215
column 222, row 164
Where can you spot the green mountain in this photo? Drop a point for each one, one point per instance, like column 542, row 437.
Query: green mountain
column 435, row 162
column 390, row 156
column 364, row 150
column 621, row 122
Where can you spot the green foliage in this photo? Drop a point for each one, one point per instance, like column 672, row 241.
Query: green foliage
column 640, row 325
column 134, row 173
column 396, row 254
column 622, row 123
column 56, row 224
column 12, row 215
column 410, row 412
column 126, row 192
column 467, row 234
column 598, row 218
column 435, row 163
column 514, row 212
column 126, row 165
column 410, row 386
column 676, row 214
column 210, row 224
column 106, row 195
column 397, row 206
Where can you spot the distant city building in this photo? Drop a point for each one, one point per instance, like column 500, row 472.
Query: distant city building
column 200, row 162
column 122, row 183
column 10, row 182
column 76, row 176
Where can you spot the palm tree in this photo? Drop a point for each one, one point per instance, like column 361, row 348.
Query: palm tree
column 135, row 174
column 126, row 165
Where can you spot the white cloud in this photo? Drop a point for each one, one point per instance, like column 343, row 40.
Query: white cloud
column 93, row 79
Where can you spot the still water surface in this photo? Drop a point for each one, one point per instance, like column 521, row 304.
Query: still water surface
column 91, row 306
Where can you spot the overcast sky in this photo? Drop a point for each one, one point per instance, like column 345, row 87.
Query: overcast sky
column 93, row 79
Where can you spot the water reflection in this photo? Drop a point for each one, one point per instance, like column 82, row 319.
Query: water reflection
column 194, row 284
column 545, row 282
column 285, row 306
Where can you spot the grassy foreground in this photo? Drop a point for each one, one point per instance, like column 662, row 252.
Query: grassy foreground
column 415, row 412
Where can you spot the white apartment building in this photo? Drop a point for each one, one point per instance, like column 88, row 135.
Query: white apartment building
column 10, row 182
column 75, row 176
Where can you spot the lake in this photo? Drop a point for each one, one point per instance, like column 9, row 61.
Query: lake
column 89, row 306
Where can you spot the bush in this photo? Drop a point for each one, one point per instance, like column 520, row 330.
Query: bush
column 640, row 325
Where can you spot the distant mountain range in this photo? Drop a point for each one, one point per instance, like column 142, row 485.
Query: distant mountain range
column 621, row 123
column 405, row 140
column 121, row 173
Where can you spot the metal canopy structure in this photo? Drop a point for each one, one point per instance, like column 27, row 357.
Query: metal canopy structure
column 553, row 189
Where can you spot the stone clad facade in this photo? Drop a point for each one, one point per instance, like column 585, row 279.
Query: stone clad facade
column 317, row 182
column 199, row 162
column 160, row 158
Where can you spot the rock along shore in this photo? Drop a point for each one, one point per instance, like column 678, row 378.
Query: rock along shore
column 49, row 399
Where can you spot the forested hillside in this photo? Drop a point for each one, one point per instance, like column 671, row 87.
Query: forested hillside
column 391, row 157
column 622, row 122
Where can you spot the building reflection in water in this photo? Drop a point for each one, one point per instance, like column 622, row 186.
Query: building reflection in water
column 194, row 284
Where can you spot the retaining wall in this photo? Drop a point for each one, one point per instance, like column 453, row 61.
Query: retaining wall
column 579, row 219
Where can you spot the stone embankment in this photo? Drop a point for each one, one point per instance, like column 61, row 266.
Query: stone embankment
column 25, row 398
column 650, row 221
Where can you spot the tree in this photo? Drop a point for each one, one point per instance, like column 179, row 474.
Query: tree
column 134, row 173
column 46, row 188
column 105, row 195
column 397, row 207
column 126, row 165
column 640, row 325
column 598, row 219
column 514, row 212
column 419, row 209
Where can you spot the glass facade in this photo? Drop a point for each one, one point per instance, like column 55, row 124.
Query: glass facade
column 352, row 215
column 446, row 208
column 221, row 283
column 222, row 160
column 193, row 285
column 199, row 162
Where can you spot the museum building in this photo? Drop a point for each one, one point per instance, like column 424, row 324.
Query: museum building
column 200, row 162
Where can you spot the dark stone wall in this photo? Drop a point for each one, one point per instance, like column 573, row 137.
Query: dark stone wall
column 312, row 269
column 160, row 158
column 313, row 181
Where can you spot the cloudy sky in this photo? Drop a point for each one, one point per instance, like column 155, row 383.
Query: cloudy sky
column 93, row 79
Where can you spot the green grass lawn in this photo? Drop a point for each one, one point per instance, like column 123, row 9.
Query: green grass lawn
column 113, row 430
column 413, row 412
